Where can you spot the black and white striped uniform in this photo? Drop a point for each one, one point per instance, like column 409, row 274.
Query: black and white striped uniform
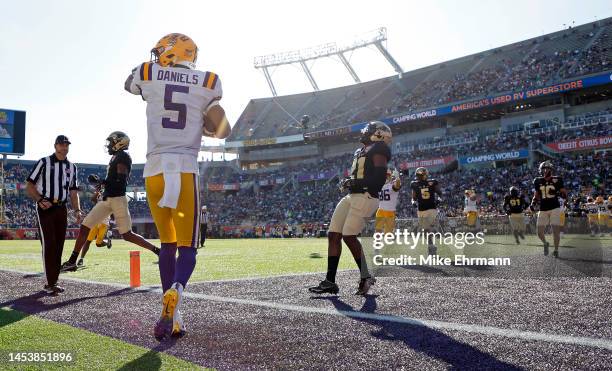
column 54, row 179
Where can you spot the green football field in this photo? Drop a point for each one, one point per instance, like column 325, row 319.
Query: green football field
column 220, row 259
column 242, row 258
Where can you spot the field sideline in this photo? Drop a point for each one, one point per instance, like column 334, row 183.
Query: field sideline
column 436, row 322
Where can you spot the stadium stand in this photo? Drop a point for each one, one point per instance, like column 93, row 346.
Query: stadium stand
column 537, row 62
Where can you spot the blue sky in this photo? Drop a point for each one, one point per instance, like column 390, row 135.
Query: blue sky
column 64, row 62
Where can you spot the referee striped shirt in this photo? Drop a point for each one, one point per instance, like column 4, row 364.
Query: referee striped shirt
column 54, row 178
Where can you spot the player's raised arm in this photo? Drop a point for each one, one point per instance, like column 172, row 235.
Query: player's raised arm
column 215, row 118
column 397, row 183
column 216, row 124
column 129, row 85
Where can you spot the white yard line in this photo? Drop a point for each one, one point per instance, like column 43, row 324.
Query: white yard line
column 438, row 325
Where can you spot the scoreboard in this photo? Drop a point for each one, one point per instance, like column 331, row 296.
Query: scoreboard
column 12, row 132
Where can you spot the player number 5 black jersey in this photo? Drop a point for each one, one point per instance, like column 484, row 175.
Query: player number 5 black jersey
column 425, row 191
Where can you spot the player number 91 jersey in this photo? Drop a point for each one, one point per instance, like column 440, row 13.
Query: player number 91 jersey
column 177, row 99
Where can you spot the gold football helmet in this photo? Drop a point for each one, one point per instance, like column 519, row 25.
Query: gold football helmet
column 175, row 49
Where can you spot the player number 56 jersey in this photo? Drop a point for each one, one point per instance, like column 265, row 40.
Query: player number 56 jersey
column 177, row 99
column 388, row 198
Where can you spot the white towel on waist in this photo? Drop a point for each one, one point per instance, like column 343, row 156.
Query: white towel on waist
column 172, row 180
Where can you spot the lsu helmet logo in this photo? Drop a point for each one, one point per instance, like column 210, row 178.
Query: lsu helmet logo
column 175, row 49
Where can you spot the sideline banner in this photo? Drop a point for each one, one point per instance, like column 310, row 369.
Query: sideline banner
column 500, row 156
column 431, row 162
column 580, row 144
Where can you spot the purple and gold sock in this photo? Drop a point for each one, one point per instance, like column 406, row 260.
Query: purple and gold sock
column 185, row 264
column 167, row 263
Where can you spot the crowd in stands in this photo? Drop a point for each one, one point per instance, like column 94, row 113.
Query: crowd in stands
column 272, row 205
column 528, row 65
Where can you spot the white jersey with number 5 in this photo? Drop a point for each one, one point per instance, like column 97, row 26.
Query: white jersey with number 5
column 177, row 99
column 388, row 197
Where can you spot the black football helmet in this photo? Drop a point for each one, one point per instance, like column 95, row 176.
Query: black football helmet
column 421, row 173
column 546, row 168
column 116, row 141
column 514, row 192
column 375, row 131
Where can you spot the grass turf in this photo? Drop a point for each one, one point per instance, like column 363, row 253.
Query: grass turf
column 240, row 258
column 220, row 259
column 22, row 333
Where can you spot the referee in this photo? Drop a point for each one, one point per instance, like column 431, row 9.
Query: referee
column 51, row 181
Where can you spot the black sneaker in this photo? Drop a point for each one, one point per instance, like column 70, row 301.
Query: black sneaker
column 556, row 253
column 54, row 289
column 68, row 267
column 156, row 251
column 518, row 242
column 325, row 286
column 364, row 285
column 546, row 244
column 80, row 263
column 109, row 243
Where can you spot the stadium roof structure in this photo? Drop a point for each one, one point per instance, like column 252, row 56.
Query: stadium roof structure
column 376, row 38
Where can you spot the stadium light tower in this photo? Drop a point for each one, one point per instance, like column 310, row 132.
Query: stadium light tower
column 376, row 38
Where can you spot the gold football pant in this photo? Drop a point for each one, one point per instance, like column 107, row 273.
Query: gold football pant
column 180, row 225
column 385, row 221
column 98, row 233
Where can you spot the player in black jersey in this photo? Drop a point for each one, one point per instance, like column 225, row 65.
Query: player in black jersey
column 424, row 191
column 368, row 175
column 114, row 200
column 514, row 205
column 548, row 188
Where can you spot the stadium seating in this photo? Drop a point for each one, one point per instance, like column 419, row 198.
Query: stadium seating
column 533, row 63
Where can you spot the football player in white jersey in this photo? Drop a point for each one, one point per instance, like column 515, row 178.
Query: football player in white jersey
column 182, row 105
column 471, row 209
column 388, row 197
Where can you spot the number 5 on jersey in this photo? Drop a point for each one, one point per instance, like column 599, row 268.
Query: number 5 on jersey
column 170, row 105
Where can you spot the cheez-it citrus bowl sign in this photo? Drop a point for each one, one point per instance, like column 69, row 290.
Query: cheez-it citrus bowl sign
column 579, row 144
